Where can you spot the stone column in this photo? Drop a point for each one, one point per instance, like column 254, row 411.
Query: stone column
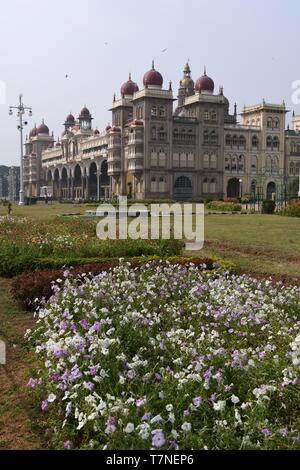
column 86, row 196
column 98, row 185
column 71, row 188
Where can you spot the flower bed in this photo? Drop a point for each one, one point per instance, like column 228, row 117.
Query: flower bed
column 27, row 287
column 167, row 357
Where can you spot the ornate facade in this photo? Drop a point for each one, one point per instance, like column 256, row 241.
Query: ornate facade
column 194, row 150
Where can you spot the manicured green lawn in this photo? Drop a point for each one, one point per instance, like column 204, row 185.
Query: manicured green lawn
column 258, row 243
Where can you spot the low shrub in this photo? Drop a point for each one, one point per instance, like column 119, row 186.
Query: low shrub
column 18, row 257
column 292, row 210
column 29, row 286
column 224, row 206
column 268, row 207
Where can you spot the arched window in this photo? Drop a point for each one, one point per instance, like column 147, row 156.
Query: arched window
column 242, row 141
column 241, row 164
column 234, row 140
column 228, row 140
column 212, row 186
column 276, row 143
column 206, row 161
column 162, row 184
column 255, row 142
column 270, row 123
column 162, row 159
column 162, row 133
column 253, row 164
column 153, row 133
column 269, row 142
column 153, row 185
column 162, row 111
column 206, row 137
column 190, row 160
column 213, row 138
column 253, row 187
column 234, row 164
column 176, row 134
column 276, row 123
column 153, row 158
column 213, row 161
column 227, row 164
column 297, row 168
column 292, row 168
column 205, row 185
column 153, row 111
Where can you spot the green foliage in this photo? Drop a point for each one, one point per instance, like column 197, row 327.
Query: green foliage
column 292, row 210
column 224, row 206
column 268, row 206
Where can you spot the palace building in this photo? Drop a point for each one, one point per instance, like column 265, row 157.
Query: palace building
column 156, row 148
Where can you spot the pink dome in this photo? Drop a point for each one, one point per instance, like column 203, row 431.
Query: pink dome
column 129, row 87
column 96, row 132
column 205, row 83
column 153, row 78
column 108, row 128
column 43, row 129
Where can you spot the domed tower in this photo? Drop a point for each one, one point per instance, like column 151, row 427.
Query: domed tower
column 205, row 85
column 129, row 88
column 186, row 85
column 85, row 119
column 69, row 122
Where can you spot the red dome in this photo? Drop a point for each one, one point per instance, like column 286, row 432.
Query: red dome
column 70, row 118
column 43, row 129
column 115, row 129
column 33, row 132
column 129, row 87
column 96, row 132
column 85, row 112
column 108, row 128
column 153, row 78
column 205, row 83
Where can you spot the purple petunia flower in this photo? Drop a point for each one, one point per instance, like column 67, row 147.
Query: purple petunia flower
column 67, row 445
column 267, row 432
column 44, row 405
column 158, row 439
column 284, row 431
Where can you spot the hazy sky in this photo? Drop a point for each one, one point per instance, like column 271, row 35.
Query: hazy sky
column 250, row 47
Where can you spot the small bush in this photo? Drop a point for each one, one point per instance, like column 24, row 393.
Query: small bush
column 292, row 210
column 268, row 207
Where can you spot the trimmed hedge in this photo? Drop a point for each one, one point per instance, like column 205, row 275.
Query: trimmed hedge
column 292, row 210
column 13, row 264
column 28, row 287
column 224, row 206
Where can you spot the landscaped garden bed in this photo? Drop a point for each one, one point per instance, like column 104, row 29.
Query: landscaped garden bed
column 168, row 357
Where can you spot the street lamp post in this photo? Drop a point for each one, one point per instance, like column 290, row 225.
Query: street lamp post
column 21, row 109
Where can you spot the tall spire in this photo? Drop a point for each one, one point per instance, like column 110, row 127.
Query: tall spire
column 129, row 75
column 152, row 64
column 204, row 69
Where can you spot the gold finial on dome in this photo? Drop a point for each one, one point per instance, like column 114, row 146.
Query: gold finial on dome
column 152, row 64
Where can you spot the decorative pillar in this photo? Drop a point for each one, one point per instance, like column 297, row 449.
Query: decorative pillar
column 86, row 196
column 72, row 188
column 98, row 185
